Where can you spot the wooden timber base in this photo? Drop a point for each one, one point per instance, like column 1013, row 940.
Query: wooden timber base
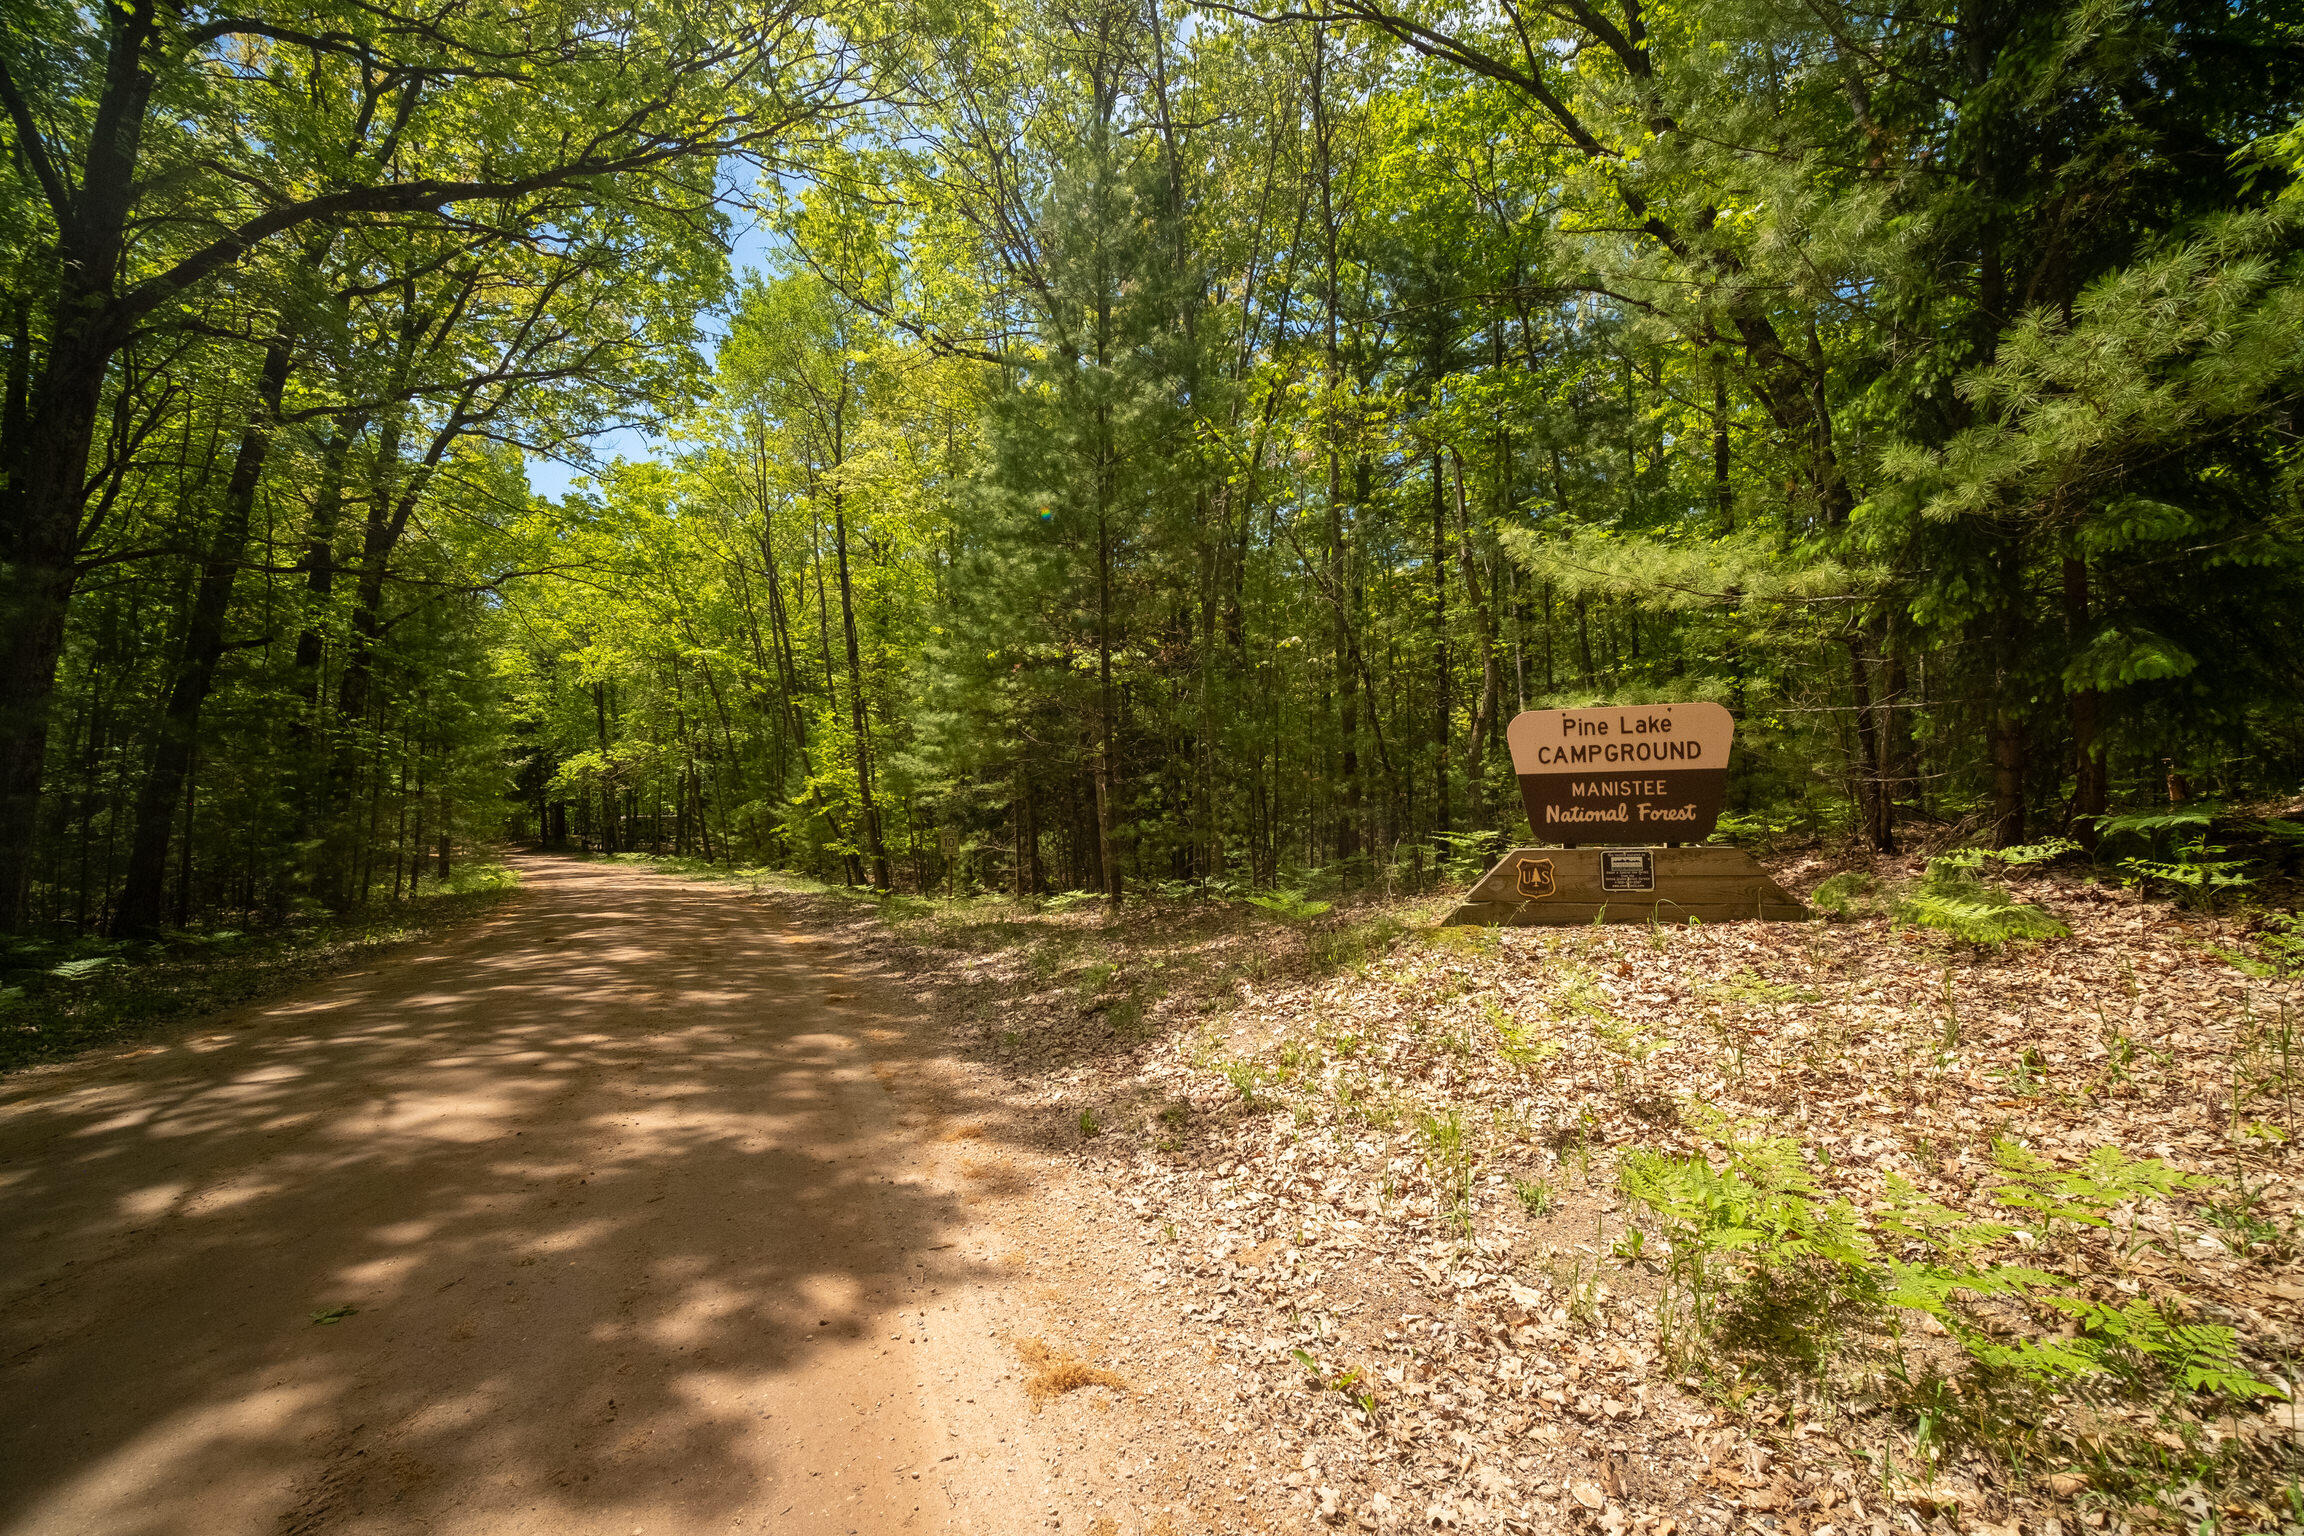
column 1531, row 886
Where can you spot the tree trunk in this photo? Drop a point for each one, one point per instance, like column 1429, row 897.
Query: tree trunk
column 143, row 898
column 1871, row 778
column 414, row 857
column 2007, row 731
column 1347, row 705
column 856, row 701
column 184, row 864
column 1896, row 711
column 320, row 552
column 1441, row 721
column 2091, row 781
column 44, row 460
column 1107, row 857
column 1723, row 495
column 2007, row 776
column 1491, row 680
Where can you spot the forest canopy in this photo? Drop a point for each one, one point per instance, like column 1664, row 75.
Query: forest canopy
column 1143, row 445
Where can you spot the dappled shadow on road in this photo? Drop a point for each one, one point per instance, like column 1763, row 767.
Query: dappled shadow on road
column 550, row 1226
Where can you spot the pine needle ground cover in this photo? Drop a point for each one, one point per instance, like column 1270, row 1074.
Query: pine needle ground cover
column 1860, row 1224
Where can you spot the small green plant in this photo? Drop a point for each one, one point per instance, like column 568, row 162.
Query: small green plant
column 1294, row 906
column 1245, row 1077
column 1847, row 896
column 2175, row 851
column 1046, row 958
column 2279, row 940
column 1517, row 1043
column 1348, row 946
column 82, row 969
column 1127, row 1017
column 2045, row 852
column 2119, row 1051
column 1296, row 1059
column 1751, row 988
column 1091, row 1124
column 2028, row 1077
column 1577, row 994
column 1626, row 1040
column 1584, row 1301
column 1461, row 856
column 1348, row 1385
column 1734, row 1042
column 2242, row 1218
column 2079, row 1197
column 1951, row 898
column 1536, row 1195
column 2198, row 874
column 1733, row 1231
column 1448, row 1156
column 1586, row 1123
column 1380, row 1112
column 2265, row 1052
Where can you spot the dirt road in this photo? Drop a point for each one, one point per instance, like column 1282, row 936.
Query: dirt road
column 591, row 1219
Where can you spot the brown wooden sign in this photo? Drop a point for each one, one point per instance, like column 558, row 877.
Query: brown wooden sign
column 1633, row 773
column 1627, row 885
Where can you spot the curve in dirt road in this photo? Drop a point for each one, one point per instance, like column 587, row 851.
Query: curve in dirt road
column 589, row 1219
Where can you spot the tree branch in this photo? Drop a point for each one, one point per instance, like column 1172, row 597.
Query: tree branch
column 34, row 148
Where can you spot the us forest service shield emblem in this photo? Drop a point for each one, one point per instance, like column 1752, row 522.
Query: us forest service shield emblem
column 1536, row 879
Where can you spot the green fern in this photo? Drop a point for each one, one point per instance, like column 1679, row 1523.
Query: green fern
column 2046, row 852
column 1949, row 1235
column 2279, row 948
column 1951, row 898
column 2150, row 824
column 2143, row 1337
column 1760, row 1212
column 81, row 970
column 1293, row 905
column 2084, row 1195
column 2195, row 871
column 2021, row 855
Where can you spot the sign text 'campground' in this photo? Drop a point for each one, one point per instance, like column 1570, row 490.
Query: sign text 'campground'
column 1648, row 773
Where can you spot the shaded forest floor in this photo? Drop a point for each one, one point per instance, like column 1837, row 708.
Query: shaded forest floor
column 61, row 996
column 1412, row 1188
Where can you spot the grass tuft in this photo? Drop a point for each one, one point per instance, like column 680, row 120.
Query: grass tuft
column 1055, row 1373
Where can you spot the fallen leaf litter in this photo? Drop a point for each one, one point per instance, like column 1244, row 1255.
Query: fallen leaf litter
column 1368, row 1362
